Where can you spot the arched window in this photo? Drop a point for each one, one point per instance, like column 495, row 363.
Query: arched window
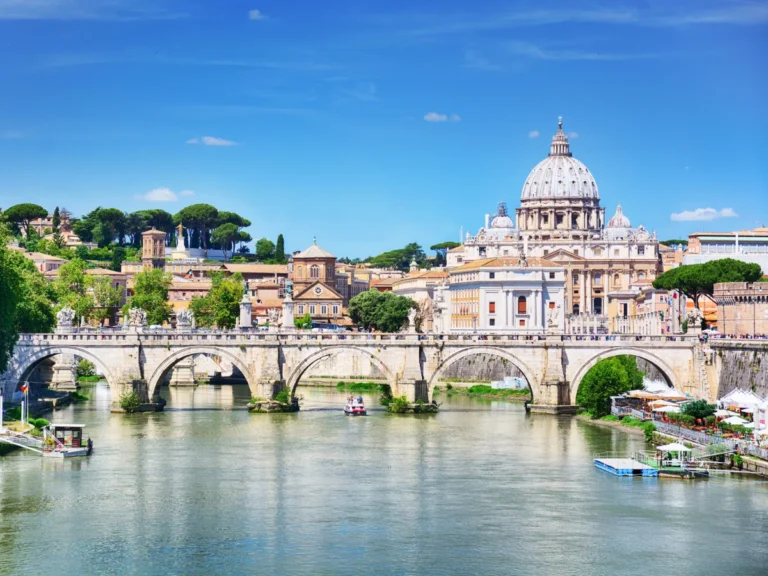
column 522, row 305
column 300, row 272
column 641, row 276
column 616, row 280
column 314, row 271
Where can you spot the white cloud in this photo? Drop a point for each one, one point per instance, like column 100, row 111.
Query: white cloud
column 211, row 141
column 437, row 117
column 573, row 135
column 158, row 195
column 256, row 15
column 533, row 134
column 703, row 215
column 186, row 193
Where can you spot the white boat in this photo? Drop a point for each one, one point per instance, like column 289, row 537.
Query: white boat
column 65, row 441
column 355, row 407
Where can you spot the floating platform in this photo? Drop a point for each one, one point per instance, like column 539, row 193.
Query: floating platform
column 625, row 467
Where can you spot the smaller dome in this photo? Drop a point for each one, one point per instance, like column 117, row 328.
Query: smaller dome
column 619, row 220
column 502, row 222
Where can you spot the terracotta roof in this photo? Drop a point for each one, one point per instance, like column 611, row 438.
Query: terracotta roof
column 257, row 268
column 314, row 251
column 267, row 303
column 201, row 285
column 505, row 263
column 427, row 274
column 41, row 256
column 103, row 272
column 384, row 281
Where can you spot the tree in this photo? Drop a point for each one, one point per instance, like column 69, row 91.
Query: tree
column 58, row 239
column 150, row 293
column 303, row 322
column 118, row 256
column 441, row 251
column 698, row 409
column 675, row 242
column 280, row 250
column 232, row 218
column 106, row 298
column 265, row 249
column 225, row 235
column 72, row 288
column 243, row 239
column 609, row 377
column 23, row 214
column 200, row 218
column 56, row 220
column 400, row 259
column 384, row 311
column 693, row 280
column 221, row 306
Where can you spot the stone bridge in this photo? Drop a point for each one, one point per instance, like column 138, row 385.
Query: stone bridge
column 412, row 364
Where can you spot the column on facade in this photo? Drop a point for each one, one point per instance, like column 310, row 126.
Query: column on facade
column 581, row 292
column 588, row 290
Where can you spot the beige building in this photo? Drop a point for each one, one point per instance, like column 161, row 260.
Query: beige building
column 420, row 287
column 313, row 273
column 560, row 219
column 745, row 245
column 742, row 309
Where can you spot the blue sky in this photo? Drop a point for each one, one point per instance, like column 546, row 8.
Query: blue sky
column 370, row 124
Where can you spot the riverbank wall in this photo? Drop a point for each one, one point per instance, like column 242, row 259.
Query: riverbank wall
column 739, row 364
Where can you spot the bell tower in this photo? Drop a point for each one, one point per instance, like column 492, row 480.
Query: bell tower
column 153, row 249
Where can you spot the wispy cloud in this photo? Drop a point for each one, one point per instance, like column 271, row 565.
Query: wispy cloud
column 476, row 61
column 211, row 141
column 11, row 135
column 116, row 10
column 256, row 15
column 158, row 195
column 541, row 53
column 533, row 134
column 661, row 14
column 437, row 117
column 703, row 215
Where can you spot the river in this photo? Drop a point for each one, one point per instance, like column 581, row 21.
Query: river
column 481, row 488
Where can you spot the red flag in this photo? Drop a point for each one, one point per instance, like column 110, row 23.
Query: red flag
column 24, row 388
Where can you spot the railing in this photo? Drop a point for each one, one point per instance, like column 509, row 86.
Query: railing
column 704, row 439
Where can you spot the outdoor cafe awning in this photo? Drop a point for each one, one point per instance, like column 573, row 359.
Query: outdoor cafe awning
column 674, row 447
column 675, row 409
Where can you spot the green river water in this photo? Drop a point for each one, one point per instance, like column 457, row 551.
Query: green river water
column 481, row 488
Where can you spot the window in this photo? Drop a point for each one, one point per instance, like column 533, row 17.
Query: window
column 546, row 251
column 312, row 309
column 641, row 276
column 492, row 307
column 574, row 220
column 300, row 272
column 559, row 219
column 551, row 275
column 576, row 309
column 616, row 252
column 323, row 309
column 598, row 278
column 492, row 322
column 551, row 305
column 616, row 280
column 641, row 250
column 575, row 279
column 314, row 271
column 506, row 252
column 576, row 251
column 522, row 323
column 335, row 309
column 491, row 275
column 301, row 308
column 522, row 305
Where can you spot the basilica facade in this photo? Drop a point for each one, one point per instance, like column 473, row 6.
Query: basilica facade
column 560, row 221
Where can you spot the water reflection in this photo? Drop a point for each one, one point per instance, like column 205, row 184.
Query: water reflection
column 207, row 488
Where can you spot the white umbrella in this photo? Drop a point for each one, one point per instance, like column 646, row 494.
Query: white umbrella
column 675, row 409
column 735, row 420
column 674, row 447
column 762, row 432
column 724, row 413
column 749, row 425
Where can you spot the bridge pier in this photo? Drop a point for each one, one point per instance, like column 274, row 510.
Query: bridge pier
column 64, row 373
column 183, row 373
column 413, row 390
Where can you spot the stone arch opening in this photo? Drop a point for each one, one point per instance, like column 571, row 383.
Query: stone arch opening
column 307, row 363
column 156, row 379
column 28, row 363
column 662, row 367
column 459, row 355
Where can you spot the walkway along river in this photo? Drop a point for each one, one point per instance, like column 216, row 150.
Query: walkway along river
column 481, row 488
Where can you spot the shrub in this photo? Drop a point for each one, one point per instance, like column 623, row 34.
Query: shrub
column 39, row 423
column 284, row 396
column 398, row 405
column 698, row 409
column 130, row 402
column 78, row 397
column 686, row 419
column 481, row 389
column 85, row 368
column 13, row 414
column 648, row 429
column 631, row 422
column 610, row 418
column 711, row 420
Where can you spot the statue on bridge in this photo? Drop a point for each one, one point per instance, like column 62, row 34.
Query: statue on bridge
column 185, row 319
column 694, row 321
column 137, row 317
column 274, row 316
column 553, row 317
column 65, row 319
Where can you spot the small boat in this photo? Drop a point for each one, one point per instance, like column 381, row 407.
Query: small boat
column 355, row 407
column 66, row 441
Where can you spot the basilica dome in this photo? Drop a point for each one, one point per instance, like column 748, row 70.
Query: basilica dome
column 560, row 175
column 618, row 220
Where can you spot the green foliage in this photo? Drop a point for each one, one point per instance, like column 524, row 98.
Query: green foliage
column 360, row 387
column 118, row 256
column 23, row 214
column 56, row 220
column 610, row 418
column 649, row 428
column 221, row 306
column 130, row 402
column 398, row 405
column 150, row 293
column 225, row 235
column 106, row 298
column 284, row 396
column 400, row 259
column 39, row 423
column 103, row 226
column 13, row 414
column 441, row 251
column 85, row 368
column 201, row 218
column 696, row 279
column 265, row 249
column 632, row 422
column 486, row 390
column 280, row 250
column 675, row 242
column 303, row 322
column 698, row 409
column 71, row 288
column 609, row 377
column 384, row 311
column 79, row 396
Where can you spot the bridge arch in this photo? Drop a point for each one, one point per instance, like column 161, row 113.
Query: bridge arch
column 295, row 376
column 158, row 374
column 533, row 384
column 26, row 363
column 665, row 368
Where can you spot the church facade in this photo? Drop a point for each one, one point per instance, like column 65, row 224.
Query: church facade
column 560, row 220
